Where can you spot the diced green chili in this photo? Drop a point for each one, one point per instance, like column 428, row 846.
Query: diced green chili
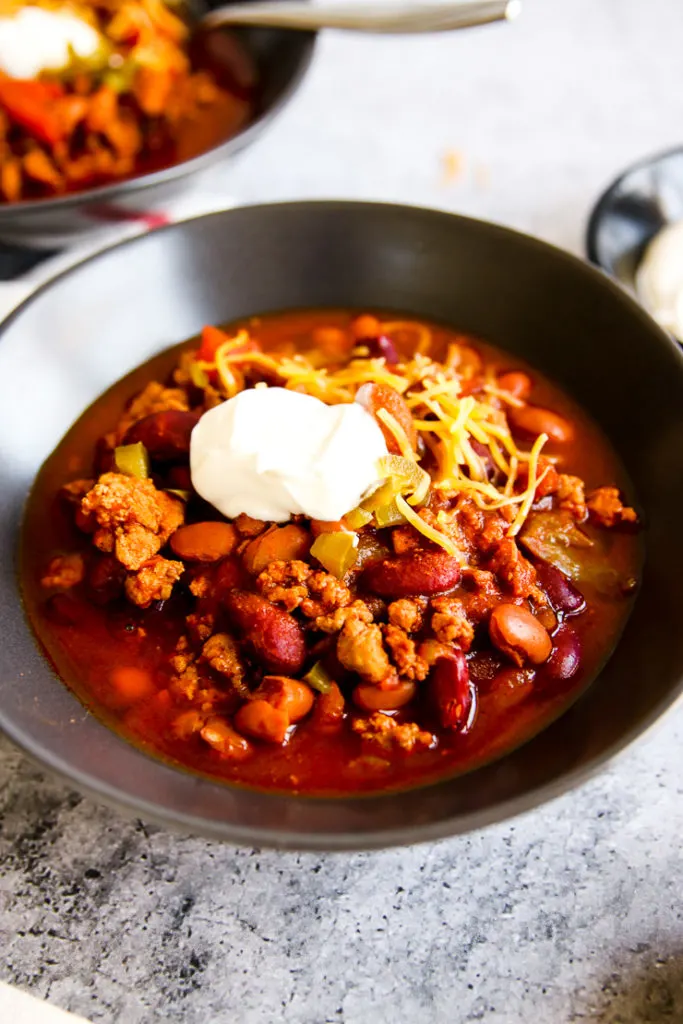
column 389, row 515
column 336, row 552
column 318, row 678
column 198, row 375
column 357, row 518
column 132, row 460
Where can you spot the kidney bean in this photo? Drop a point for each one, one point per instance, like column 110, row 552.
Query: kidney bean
column 381, row 347
column 105, row 579
column 562, row 594
column 565, row 660
column 165, row 435
column 223, row 738
column 519, row 635
column 328, row 713
column 452, row 691
column 532, row 420
column 179, row 478
column 276, row 638
column 204, row 542
column 260, row 719
column 281, row 543
column 420, row 572
column 374, row 397
column 371, row 698
column 516, row 384
column 228, row 575
column 288, row 695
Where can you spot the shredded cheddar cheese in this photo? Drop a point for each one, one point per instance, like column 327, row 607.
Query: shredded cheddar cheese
column 465, row 434
column 398, row 433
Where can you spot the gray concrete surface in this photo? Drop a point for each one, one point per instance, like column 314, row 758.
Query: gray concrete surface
column 570, row 913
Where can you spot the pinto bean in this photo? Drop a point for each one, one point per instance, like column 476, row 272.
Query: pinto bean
column 204, row 542
column 131, row 683
column 165, row 435
column 565, row 660
column 371, row 698
column 374, row 397
column 532, row 420
column 276, row 638
column 562, row 593
column 288, row 695
column 420, row 572
column 519, row 635
column 281, row 543
column 365, row 326
column 328, row 713
column 260, row 719
column 319, row 526
column 333, row 341
column 223, row 738
column 452, row 691
column 516, row 384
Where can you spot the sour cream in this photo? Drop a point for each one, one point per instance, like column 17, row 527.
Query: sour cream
column 274, row 453
column 35, row 39
column 659, row 279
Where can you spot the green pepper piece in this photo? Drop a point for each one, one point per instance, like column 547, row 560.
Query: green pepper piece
column 336, row 552
column 318, row 678
column 198, row 375
column 357, row 518
column 177, row 493
column 132, row 460
column 389, row 515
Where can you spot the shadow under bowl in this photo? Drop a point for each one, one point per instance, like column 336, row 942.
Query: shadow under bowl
column 87, row 328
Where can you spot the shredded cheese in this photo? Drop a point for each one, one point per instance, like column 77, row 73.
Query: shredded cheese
column 425, row 529
column 399, row 434
column 453, row 427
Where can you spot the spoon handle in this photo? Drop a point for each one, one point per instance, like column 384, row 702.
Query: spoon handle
column 388, row 16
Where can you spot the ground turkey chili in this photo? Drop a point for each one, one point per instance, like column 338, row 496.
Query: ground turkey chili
column 474, row 589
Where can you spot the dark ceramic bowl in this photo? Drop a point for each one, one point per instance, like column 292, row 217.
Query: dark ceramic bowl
column 282, row 59
column 641, row 201
column 82, row 332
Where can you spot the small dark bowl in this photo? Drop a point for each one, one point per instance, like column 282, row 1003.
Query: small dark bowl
column 641, row 201
column 86, row 329
column 282, row 59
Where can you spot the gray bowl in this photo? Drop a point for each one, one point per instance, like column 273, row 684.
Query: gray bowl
column 80, row 333
column 282, row 59
column 639, row 203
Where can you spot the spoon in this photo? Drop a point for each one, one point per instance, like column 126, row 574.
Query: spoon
column 391, row 16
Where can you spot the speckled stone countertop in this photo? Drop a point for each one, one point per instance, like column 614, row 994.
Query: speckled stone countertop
column 570, row 913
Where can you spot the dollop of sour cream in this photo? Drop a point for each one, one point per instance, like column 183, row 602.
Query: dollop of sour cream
column 659, row 278
column 274, row 453
column 36, row 39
